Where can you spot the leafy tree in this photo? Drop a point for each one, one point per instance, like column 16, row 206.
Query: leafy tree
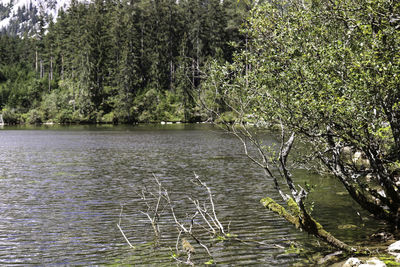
column 326, row 72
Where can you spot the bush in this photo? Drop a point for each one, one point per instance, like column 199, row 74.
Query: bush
column 64, row 116
column 49, row 106
column 34, row 116
column 10, row 116
column 109, row 118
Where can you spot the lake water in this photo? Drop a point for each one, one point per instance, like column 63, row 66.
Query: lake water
column 61, row 190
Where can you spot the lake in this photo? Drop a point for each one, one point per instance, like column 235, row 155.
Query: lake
column 62, row 187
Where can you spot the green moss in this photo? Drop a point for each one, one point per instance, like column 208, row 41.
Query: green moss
column 210, row 262
column 391, row 263
column 231, row 235
column 220, row 238
column 293, row 207
column 294, row 249
column 389, row 260
column 270, row 204
column 318, row 225
column 265, row 201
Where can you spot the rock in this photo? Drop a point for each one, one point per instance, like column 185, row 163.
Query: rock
column 357, row 156
column 398, row 258
column 359, row 159
column 382, row 193
column 347, row 150
column 352, row 262
column 373, row 262
column 394, row 248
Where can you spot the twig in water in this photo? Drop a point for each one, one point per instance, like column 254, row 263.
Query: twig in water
column 120, row 229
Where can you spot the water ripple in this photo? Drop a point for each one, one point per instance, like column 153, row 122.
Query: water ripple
column 61, row 192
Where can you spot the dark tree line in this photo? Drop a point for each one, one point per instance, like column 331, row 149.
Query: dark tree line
column 117, row 61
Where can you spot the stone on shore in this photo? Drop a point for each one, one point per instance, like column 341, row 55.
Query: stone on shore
column 394, row 248
column 373, row 262
column 352, row 262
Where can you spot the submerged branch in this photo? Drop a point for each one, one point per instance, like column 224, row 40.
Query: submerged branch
column 120, row 229
column 181, row 226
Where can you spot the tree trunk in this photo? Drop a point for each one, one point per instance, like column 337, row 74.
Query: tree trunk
column 62, row 67
column 41, row 69
column 309, row 224
column 36, row 61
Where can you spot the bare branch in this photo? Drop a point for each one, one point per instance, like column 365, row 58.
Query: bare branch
column 182, row 227
column 120, row 229
column 214, row 217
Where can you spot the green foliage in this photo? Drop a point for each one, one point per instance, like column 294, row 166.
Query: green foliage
column 123, row 61
column 10, row 116
column 66, row 116
column 34, row 116
column 155, row 106
column 50, row 106
column 109, row 118
column 171, row 108
column 328, row 71
column 227, row 117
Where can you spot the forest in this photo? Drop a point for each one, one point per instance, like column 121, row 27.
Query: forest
column 117, row 61
column 325, row 74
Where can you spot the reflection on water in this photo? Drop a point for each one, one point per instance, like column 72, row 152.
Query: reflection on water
column 61, row 189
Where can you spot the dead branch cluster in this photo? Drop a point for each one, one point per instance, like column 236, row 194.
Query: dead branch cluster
column 202, row 219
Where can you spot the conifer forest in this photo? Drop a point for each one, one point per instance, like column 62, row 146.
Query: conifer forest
column 116, row 61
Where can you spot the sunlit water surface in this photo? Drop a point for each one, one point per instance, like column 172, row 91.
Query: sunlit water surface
column 61, row 191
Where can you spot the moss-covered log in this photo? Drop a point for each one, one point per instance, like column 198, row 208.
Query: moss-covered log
column 281, row 211
column 306, row 222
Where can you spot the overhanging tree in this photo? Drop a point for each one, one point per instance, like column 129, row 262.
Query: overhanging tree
column 328, row 73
